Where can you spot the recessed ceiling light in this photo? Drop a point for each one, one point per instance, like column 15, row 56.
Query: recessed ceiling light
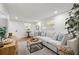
column 16, row 17
column 39, row 24
column 55, row 12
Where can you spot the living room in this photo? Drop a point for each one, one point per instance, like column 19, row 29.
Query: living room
column 39, row 29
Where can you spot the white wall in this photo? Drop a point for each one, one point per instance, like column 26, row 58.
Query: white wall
column 17, row 28
column 60, row 23
column 2, row 9
column 3, row 17
column 3, row 22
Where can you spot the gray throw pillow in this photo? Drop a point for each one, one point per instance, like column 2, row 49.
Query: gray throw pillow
column 60, row 37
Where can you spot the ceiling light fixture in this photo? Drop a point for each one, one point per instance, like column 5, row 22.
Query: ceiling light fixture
column 55, row 12
column 39, row 24
column 16, row 17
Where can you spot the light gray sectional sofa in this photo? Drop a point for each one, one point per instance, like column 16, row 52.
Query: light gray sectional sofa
column 58, row 40
column 53, row 42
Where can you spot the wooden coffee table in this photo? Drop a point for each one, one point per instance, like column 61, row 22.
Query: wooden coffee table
column 31, row 43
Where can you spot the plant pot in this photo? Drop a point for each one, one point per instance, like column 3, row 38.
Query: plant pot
column 1, row 44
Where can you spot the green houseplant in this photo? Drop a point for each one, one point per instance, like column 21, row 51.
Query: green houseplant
column 2, row 32
column 72, row 22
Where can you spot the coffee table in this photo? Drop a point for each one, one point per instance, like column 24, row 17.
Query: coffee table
column 31, row 43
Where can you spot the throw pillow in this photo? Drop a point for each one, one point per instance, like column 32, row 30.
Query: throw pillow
column 60, row 37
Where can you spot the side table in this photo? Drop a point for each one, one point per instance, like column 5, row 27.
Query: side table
column 8, row 49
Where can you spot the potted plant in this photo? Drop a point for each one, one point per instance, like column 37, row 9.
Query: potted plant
column 72, row 22
column 2, row 35
column 2, row 32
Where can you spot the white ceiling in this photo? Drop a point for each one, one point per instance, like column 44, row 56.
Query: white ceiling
column 35, row 11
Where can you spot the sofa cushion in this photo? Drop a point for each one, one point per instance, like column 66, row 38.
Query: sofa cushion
column 55, row 42
column 55, row 36
column 50, row 40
